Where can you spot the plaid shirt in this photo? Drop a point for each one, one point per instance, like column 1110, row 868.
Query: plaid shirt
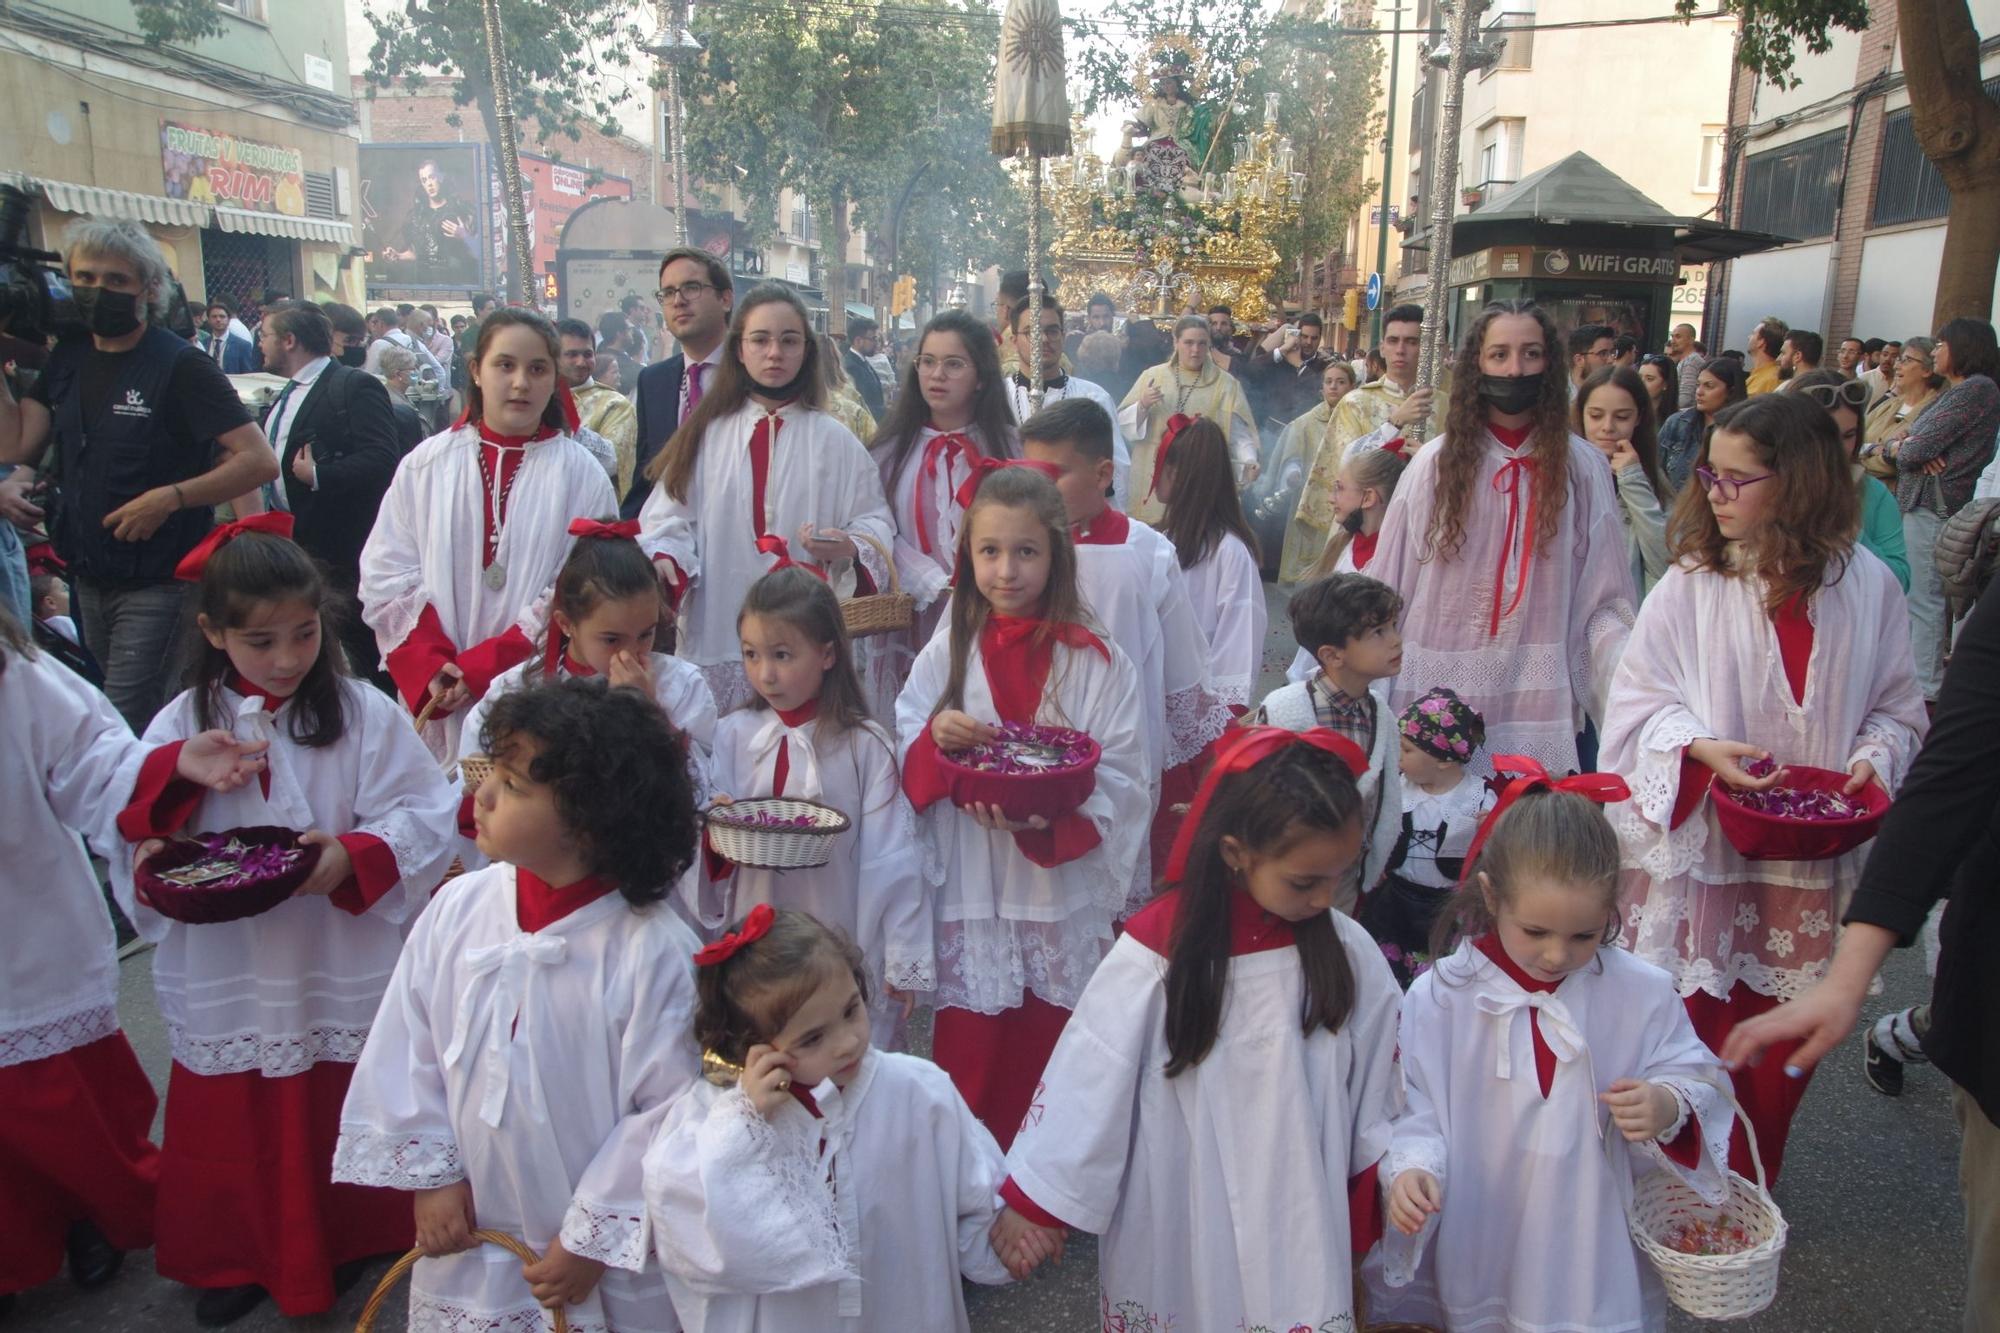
column 1336, row 710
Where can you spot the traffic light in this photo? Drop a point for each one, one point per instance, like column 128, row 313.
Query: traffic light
column 1350, row 312
column 903, row 298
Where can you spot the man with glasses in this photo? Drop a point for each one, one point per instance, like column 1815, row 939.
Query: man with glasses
column 864, row 339
column 1592, row 347
column 696, row 299
column 1057, row 386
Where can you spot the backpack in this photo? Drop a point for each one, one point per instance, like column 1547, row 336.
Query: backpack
column 1968, row 547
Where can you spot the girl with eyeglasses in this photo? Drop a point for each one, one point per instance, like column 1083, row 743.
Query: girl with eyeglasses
column 1881, row 524
column 1773, row 637
column 758, row 476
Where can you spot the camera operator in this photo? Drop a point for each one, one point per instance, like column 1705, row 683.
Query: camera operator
column 148, row 436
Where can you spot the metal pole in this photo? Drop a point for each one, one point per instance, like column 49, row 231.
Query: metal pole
column 674, row 18
column 1034, row 278
column 521, row 245
column 1464, row 25
column 1388, row 151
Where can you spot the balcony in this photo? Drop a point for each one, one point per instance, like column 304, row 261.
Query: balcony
column 1472, row 196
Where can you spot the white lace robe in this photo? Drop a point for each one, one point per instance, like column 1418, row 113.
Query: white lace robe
column 1704, row 664
column 426, row 546
column 862, row 1221
column 1552, row 660
column 537, row 1067
column 1005, row 925
column 68, row 762
column 282, row 991
column 1532, row 1233
column 820, row 474
column 1226, row 591
column 1221, row 1195
column 875, row 886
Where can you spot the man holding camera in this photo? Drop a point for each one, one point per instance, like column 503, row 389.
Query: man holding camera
column 1287, row 367
column 149, row 436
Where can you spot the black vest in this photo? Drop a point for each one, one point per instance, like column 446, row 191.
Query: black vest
column 127, row 452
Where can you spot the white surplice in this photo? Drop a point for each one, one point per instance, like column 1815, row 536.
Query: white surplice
column 428, row 540
column 860, row 1221
column 1552, row 659
column 69, row 762
column 819, row 475
column 874, row 886
column 1004, row 924
column 1078, row 387
column 280, row 992
column 537, row 1067
column 1221, row 1195
column 1532, row 1232
column 1226, row 591
column 1703, row 663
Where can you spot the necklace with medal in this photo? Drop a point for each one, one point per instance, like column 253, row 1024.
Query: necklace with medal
column 1182, row 392
column 496, row 573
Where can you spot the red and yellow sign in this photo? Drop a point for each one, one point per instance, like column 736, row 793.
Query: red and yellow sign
column 208, row 167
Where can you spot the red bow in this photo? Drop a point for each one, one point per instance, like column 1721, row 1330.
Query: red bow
column 42, row 559
column 625, row 529
column 1603, row 788
column 983, row 467
column 772, row 544
column 755, row 927
column 1397, row 446
column 1252, row 746
column 1176, row 423
column 1507, row 481
column 945, row 446
column 274, row 522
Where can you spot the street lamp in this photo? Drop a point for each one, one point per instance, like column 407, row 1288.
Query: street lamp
column 673, row 46
column 1459, row 53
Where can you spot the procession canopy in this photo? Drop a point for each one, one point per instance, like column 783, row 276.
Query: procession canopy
column 1030, row 105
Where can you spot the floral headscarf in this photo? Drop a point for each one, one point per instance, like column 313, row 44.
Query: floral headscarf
column 1443, row 726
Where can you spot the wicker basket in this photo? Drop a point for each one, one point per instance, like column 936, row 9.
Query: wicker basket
column 1712, row 1286
column 473, row 770
column 401, row 1268
column 880, row 612
column 775, row 848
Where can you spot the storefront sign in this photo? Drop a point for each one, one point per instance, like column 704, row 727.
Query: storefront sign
column 1563, row 264
column 552, row 191
column 208, row 167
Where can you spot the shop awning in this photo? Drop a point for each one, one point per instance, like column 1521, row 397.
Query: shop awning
column 97, row 201
column 322, row 230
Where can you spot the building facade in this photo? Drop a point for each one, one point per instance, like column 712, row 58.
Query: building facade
column 238, row 151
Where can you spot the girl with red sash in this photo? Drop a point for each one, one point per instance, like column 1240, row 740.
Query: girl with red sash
column 1024, row 912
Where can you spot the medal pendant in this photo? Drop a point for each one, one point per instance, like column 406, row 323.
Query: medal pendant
column 496, row 576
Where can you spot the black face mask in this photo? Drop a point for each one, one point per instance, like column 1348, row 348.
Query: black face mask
column 354, row 356
column 1510, row 394
column 784, row 393
column 106, row 313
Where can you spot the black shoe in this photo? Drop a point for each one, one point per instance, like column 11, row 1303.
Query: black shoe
column 93, row 1261
column 6, row 1304
column 1883, row 1071
column 120, row 926
column 219, row 1306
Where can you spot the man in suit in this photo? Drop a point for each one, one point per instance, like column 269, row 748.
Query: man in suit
column 696, row 299
column 336, row 442
column 226, row 341
column 864, row 337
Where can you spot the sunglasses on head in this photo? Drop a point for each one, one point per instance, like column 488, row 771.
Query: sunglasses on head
column 1851, row 393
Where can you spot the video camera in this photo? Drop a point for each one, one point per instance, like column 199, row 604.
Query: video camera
column 36, row 303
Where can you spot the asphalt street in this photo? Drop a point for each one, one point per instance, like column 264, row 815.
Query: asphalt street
column 1870, row 1191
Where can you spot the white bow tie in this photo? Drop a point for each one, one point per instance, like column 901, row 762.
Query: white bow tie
column 1558, row 1028
column 802, row 780
column 507, row 963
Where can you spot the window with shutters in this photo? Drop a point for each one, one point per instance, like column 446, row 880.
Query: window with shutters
column 319, row 195
column 1909, row 188
column 1795, row 190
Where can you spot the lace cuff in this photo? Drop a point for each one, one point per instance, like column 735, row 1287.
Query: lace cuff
column 396, row 615
column 742, row 1139
column 615, row 1237
column 910, row 974
column 1195, row 720
column 1708, row 1177
column 1880, row 748
column 399, row 1161
column 67, row 1033
column 1413, row 1155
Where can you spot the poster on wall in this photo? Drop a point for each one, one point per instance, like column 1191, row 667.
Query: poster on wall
column 554, row 190
column 206, row 166
column 421, row 217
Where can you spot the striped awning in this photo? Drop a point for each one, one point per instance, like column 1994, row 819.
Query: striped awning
column 98, row 201
column 323, row 230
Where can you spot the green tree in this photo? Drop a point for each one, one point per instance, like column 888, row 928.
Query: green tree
column 1956, row 124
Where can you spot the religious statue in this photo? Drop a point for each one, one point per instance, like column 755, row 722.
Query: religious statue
column 1169, row 135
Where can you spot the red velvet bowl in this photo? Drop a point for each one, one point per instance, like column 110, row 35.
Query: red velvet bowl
column 1049, row 793
column 1758, row 836
column 221, row 899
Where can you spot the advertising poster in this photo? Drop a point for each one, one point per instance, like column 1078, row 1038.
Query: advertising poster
column 207, row 167
column 553, row 191
column 424, row 221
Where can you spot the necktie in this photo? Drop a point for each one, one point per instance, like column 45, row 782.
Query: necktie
column 215, row 346
column 272, row 422
column 694, row 374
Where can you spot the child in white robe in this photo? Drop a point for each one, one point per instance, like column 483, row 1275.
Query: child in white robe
column 812, row 1181
column 1025, row 909
column 758, row 465
column 475, row 525
column 266, row 1015
column 1501, row 1184
column 1220, row 1099
column 77, row 1161
column 539, row 1024
column 1219, row 559
column 1361, row 494
column 807, row 735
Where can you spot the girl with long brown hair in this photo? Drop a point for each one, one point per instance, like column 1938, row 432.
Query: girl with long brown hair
column 1024, row 909
column 756, row 476
column 1613, row 411
column 1219, row 559
column 1775, row 637
column 1504, row 540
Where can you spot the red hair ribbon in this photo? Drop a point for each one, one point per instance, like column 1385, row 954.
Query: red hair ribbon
column 275, row 523
column 1529, row 775
column 1252, row 746
column 42, row 559
column 625, row 529
column 1398, row 446
column 772, row 544
column 755, row 927
column 983, row 467
column 1176, row 423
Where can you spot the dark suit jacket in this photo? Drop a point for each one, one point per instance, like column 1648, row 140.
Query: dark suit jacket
column 346, row 419
column 658, row 403
column 866, row 382
column 410, row 429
